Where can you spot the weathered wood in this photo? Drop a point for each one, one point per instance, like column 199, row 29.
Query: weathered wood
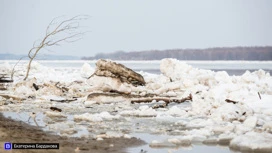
column 138, row 98
column 167, row 100
column 231, row 101
column 64, row 100
column 112, row 69
column 5, row 81
column 55, row 109
column 4, row 78
column 119, row 92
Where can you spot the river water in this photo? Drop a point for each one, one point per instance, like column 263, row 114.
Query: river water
column 232, row 67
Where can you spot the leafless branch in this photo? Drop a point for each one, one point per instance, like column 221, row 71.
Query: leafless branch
column 64, row 31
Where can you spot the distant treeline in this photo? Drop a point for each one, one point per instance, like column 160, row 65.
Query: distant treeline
column 39, row 57
column 224, row 53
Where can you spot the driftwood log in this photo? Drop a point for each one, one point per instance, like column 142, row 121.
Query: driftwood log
column 134, row 98
column 112, row 69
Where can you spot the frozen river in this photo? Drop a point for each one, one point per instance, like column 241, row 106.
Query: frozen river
column 205, row 124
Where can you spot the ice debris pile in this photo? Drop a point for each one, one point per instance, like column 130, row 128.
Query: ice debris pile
column 45, row 83
column 207, row 119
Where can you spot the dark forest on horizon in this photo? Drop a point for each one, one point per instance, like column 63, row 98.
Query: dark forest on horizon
column 223, row 53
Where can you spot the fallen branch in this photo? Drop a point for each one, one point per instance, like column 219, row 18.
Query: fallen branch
column 64, row 100
column 231, row 101
column 5, row 81
column 55, row 109
column 165, row 99
column 118, row 92
column 135, row 98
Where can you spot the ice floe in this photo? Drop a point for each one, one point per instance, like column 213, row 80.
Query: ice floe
column 86, row 70
column 95, row 117
column 245, row 123
column 143, row 111
column 253, row 141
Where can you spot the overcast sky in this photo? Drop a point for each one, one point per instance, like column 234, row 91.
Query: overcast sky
column 135, row 25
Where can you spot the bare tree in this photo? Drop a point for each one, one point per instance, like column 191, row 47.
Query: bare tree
column 57, row 33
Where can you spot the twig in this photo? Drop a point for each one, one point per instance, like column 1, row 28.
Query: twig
column 259, row 95
column 119, row 92
column 231, row 101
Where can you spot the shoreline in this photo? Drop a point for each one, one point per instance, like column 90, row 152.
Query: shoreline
column 20, row 132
